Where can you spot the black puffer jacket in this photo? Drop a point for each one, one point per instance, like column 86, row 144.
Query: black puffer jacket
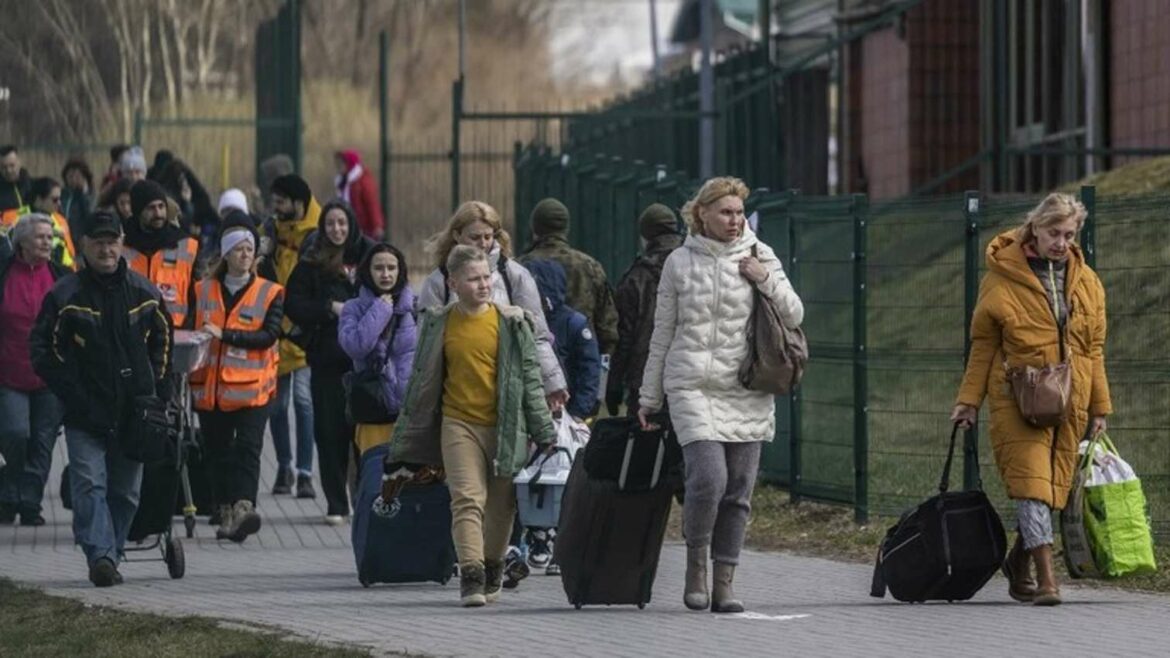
column 313, row 287
column 635, row 297
column 99, row 341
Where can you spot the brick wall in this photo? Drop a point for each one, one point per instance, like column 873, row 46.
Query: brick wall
column 1139, row 69
column 914, row 105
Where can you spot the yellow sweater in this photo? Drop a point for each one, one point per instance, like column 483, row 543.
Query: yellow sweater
column 471, row 346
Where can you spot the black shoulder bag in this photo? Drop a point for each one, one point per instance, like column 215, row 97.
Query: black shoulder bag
column 365, row 398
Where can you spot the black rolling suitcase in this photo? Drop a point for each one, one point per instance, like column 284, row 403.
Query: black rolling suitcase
column 946, row 549
column 611, row 528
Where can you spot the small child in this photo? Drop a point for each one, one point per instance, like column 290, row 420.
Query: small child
column 577, row 350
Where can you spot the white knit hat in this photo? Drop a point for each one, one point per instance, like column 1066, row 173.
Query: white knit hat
column 233, row 198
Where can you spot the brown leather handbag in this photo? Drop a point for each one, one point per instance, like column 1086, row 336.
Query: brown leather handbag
column 1043, row 395
column 776, row 355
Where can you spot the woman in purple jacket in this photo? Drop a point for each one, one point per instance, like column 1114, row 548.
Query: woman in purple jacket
column 368, row 336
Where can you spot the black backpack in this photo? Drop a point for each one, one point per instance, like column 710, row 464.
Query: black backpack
column 946, row 549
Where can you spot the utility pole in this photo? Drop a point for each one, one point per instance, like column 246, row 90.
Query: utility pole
column 657, row 70
column 706, row 93
column 457, row 106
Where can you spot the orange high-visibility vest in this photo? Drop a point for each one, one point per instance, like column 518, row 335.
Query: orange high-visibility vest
column 170, row 270
column 233, row 377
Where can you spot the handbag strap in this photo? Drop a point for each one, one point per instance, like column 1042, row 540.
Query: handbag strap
column 945, row 483
column 390, row 330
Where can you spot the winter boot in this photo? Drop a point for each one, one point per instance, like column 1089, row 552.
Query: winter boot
column 1047, row 589
column 723, row 596
column 224, row 512
column 245, row 521
column 695, row 595
column 1017, row 568
column 471, row 585
column 493, row 574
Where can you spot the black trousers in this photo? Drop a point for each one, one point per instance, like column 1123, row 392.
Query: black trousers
column 232, row 441
column 334, row 437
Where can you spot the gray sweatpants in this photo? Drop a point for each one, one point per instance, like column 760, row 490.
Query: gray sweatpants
column 720, row 478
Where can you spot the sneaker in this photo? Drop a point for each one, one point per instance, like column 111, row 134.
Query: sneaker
column 553, row 569
column 515, row 568
column 539, row 548
column 334, row 520
column 305, row 486
column 284, row 481
column 103, row 573
column 471, row 586
column 245, row 521
column 32, row 519
column 493, row 575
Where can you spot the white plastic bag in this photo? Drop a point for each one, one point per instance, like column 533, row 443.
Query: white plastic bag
column 1106, row 467
column 554, row 468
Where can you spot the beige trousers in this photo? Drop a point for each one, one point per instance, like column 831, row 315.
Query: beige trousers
column 482, row 505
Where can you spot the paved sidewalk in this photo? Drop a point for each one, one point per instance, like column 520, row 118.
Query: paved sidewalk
column 298, row 574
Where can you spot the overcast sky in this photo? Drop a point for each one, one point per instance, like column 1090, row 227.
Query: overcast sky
column 597, row 34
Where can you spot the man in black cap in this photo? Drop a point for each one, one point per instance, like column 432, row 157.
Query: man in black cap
column 102, row 338
column 296, row 214
column 161, row 251
column 636, row 296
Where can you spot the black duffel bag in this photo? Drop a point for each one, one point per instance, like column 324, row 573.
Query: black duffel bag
column 946, row 549
column 152, row 434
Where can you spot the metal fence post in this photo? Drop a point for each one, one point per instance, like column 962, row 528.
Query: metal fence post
column 1089, row 231
column 794, row 433
column 456, row 116
column 972, row 210
column 860, row 212
column 384, row 127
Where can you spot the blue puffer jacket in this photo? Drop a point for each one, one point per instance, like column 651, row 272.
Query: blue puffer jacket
column 573, row 338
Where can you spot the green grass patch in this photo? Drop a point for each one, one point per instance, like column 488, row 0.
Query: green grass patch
column 36, row 624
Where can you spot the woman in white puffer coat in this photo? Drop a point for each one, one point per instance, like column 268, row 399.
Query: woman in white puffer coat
column 700, row 339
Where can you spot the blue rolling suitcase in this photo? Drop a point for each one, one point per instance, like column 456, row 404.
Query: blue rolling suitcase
column 410, row 542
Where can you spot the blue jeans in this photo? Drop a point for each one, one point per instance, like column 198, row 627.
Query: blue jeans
column 28, row 431
column 298, row 381
column 105, row 489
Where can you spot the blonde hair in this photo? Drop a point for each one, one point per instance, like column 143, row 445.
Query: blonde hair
column 461, row 256
column 440, row 244
column 1054, row 209
column 711, row 191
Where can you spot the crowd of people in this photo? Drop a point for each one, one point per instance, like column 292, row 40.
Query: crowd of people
column 470, row 367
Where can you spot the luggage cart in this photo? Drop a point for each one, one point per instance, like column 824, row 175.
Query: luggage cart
column 161, row 483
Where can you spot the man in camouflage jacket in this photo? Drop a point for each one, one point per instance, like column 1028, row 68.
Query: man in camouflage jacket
column 636, row 295
column 588, row 291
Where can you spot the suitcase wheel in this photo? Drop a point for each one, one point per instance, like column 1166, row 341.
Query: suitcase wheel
column 577, row 606
column 174, row 558
column 365, row 583
column 641, row 606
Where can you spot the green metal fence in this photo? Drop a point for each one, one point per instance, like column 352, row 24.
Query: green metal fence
column 888, row 292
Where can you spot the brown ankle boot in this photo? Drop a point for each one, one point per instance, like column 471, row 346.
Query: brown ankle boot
column 1017, row 568
column 1047, row 590
column 695, row 595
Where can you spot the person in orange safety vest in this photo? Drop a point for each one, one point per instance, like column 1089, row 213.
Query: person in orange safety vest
column 161, row 250
column 242, row 312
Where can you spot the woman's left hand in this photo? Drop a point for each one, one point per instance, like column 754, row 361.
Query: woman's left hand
column 214, row 330
column 1097, row 425
column 753, row 270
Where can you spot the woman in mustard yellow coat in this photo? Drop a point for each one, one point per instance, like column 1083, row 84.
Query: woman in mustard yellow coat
column 1037, row 288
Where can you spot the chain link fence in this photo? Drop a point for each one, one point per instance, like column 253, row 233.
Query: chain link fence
column 888, row 292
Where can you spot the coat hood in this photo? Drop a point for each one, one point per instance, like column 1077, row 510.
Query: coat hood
column 550, row 281
column 1006, row 256
column 350, row 157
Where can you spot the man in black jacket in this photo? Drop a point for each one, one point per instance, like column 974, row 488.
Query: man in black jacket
column 102, row 338
column 14, row 180
column 636, row 296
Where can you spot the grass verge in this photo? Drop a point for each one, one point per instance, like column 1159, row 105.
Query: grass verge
column 828, row 531
column 37, row 624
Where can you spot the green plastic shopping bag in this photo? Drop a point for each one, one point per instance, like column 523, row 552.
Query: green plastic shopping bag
column 1115, row 513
